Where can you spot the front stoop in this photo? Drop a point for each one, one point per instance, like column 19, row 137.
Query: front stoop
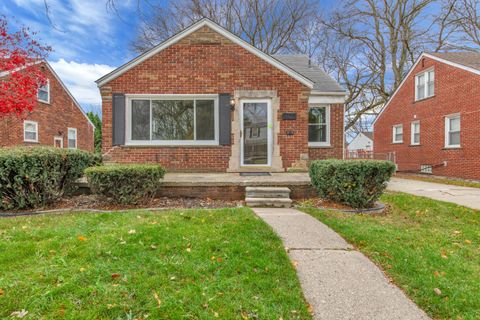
column 278, row 197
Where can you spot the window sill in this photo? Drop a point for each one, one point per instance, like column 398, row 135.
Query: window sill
column 451, row 148
column 31, row 141
column 398, row 142
column 415, row 145
column 172, row 146
column 325, row 146
column 423, row 99
column 44, row 102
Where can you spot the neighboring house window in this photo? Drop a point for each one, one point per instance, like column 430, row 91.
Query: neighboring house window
column 30, row 131
column 424, row 85
column 72, row 138
column 43, row 93
column 452, row 131
column 172, row 121
column 319, row 125
column 397, row 133
column 415, row 133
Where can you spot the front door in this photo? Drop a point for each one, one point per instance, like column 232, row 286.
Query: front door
column 256, row 132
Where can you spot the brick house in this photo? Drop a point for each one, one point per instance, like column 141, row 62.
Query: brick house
column 432, row 121
column 205, row 100
column 57, row 120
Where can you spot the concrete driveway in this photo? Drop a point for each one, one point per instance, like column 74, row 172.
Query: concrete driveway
column 464, row 196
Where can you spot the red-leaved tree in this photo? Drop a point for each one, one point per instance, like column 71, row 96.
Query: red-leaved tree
column 20, row 72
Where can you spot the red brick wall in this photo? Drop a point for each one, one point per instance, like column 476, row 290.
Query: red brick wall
column 207, row 63
column 456, row 91
column 53, row 118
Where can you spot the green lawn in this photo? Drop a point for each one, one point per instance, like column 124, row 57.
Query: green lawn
column 197, row 264
column 424, row 246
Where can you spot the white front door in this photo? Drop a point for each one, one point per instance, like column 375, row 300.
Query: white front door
column 256, row 132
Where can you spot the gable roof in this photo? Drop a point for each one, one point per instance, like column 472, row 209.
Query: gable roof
column 462, row 60
column 301, row 63
column 368, row 134
column 194, row 27
column 75, row 102
column 467, row 58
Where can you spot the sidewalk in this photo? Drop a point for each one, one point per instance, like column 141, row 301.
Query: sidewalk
column 464, row 196
column 338, row 281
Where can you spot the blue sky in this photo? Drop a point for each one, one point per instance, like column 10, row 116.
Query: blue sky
column 88, row 39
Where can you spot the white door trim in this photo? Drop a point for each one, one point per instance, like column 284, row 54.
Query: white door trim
column 269, row 132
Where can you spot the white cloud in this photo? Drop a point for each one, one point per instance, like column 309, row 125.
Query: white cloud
column 80, row 79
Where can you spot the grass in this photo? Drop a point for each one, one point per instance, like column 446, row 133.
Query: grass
column 423, row 245
column 197, row 264
column 449, row 181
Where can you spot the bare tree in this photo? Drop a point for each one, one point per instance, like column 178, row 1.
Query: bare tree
column 466, row 17
column 266, row 24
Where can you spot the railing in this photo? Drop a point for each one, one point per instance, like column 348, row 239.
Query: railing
column 368, row 154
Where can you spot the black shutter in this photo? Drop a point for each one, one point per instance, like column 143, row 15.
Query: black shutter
column 225, row 120
column 118, row 119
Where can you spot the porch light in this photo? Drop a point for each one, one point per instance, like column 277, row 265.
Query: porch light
column 232, row 103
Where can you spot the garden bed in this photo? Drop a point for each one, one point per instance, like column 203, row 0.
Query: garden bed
column 101, row 203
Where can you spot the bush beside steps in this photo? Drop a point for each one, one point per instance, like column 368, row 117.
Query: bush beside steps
column 125, row 184
column 32, row 177
column 356, row 183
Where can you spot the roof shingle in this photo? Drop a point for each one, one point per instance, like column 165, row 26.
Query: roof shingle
column 466, row 58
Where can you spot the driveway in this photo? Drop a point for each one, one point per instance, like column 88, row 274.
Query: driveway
column 464, row 196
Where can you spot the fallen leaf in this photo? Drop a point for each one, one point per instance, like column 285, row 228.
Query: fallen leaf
column 444, row 255
column 19, row 314
column 219, row 260
column 2, row 292
column 468, row 241
column 295, row 263
column 310, row 309
column 153, row 246
column 173, row 278
column 115, row 275
column 155, row 295
column 82, row 238
column 244, row 315
column 437, row 291
column 215, row 314
column 132, row 231
column 189, row 250
column 457, row 232
column 82, row 269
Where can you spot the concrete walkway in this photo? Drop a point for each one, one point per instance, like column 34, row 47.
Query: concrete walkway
column 464, row 196
column 338, row 281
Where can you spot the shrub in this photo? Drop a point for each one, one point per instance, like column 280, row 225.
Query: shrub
column 125, row 184
column 33, row 177
column 357, row 183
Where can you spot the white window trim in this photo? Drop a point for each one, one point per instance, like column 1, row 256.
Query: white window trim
column 128, row 120
column 447, row 131
column 327, row 116
column 412, row 132
column 58, row 138
column 425, row 86
column 394, row 135
column 76, row 138
column 24, row 131
column 48, row 89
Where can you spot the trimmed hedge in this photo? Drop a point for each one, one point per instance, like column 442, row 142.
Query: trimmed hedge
column 125, row 184
column 36, row 176
column 357, row 183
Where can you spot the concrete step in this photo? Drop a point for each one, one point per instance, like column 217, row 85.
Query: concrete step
column 268, row 202
column 267, row 192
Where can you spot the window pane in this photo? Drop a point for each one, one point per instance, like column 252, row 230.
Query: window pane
column 30, row 127
column 30, row 135
column 43, row 95
column 140, row 120
column 72, row 134
column 317, row 115
column 172, row 120
column 455, row 124
column 205, row 120
column 317, row 133
column 431, row 89
column 72, row 143
column 398, row 137
column 399, row 130
column 454, row 138
column 421, row 91
column 416, row 138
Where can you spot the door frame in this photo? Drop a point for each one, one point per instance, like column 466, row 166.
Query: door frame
column 269, row 132
column 60, row 138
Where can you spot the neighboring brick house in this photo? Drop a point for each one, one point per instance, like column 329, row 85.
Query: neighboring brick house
column 57, row 120
column 432, row 121
column 205, row 100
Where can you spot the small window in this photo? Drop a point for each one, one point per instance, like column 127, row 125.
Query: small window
column 424, row 85
column 30, row 131
column 43, row 93
column 72, row 138
column 397, row 134
column 452, row 131
column 415, row 133
column 319, row 126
